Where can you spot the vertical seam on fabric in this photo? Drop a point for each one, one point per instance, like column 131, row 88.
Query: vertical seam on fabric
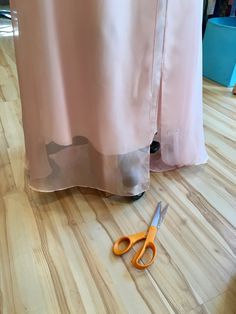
column 163, row 61
column 154, row 46
column 152, row 74
column 164, row 39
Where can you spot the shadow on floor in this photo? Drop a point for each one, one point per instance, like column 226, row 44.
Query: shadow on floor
column 228, row 303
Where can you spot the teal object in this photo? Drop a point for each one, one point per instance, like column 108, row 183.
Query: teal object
column 219, row 51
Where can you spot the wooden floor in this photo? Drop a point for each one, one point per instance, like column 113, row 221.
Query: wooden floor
column 55, row 249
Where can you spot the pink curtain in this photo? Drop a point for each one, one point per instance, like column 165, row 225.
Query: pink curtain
column 98, row 79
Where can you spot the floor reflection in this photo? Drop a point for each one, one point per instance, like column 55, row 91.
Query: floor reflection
column 6, row 29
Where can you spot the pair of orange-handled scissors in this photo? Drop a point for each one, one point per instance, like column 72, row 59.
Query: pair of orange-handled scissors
column 148, row 237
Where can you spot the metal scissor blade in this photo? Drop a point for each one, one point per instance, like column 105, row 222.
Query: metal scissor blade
column 157, row 215
column 163, row 214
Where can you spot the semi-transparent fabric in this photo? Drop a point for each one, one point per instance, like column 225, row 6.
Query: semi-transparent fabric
column 180, row 121
column 98, row 79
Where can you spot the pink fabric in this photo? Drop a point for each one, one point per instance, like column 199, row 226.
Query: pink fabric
column 98, row 79
column 180, row 122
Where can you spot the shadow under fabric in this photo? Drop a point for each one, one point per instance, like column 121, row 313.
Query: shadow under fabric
column 100, row 82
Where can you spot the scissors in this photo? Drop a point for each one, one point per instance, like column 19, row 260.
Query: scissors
column 148, row 237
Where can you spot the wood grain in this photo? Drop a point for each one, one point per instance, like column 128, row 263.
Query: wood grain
column 55, row 248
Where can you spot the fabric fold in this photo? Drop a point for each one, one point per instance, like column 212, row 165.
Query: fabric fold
column 98, row 79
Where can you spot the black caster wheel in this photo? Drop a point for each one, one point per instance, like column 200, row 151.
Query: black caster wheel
column 154, row 147
column 137, row 197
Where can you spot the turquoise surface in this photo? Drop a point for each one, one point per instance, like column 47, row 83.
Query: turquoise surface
column 219, row 51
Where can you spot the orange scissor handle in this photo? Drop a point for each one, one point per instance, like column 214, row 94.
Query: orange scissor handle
column 149, row 244
column 128, row 241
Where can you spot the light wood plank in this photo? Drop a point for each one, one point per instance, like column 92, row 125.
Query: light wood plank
column 33, row 287
column 12, row 126
column 9, row 89
column 222, row 304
